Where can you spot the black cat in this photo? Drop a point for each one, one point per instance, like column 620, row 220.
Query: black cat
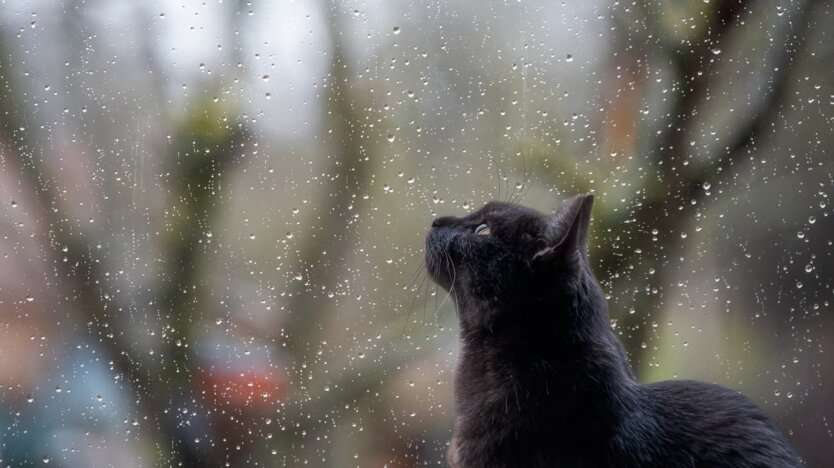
column 542, row 379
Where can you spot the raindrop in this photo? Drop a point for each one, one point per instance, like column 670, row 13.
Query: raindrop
column 396, row 29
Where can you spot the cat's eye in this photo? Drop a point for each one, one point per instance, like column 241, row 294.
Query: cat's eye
column 483, row 230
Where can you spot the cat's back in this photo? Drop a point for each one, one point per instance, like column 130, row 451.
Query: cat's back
column 706, row 425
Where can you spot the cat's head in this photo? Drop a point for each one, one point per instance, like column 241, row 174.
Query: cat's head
column 503, row 256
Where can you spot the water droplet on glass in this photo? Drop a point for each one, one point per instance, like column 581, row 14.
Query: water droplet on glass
column 396, row 29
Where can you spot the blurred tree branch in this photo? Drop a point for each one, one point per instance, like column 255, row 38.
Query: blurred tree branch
column 666, row 206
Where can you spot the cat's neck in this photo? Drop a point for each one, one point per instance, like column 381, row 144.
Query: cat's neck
column 561, row 343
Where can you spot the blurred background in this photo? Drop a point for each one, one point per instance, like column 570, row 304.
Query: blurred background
column 212, row 213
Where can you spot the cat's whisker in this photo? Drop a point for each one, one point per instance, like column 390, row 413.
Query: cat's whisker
column 423, row 282
column 449, row 263
column 421, row 266
column 426, row 300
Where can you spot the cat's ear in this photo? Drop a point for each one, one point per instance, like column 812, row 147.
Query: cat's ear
column 569, row 230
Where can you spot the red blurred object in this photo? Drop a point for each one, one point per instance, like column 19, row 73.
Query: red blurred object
column 255, row 388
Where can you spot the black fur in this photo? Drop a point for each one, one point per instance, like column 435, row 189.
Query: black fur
column 543, row 381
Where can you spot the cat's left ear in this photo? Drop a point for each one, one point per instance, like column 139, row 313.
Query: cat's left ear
column 569, row 227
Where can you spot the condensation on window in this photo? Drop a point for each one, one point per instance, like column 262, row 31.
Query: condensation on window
column 213, row 212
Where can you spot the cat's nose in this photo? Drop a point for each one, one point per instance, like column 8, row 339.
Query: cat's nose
column 442, row 221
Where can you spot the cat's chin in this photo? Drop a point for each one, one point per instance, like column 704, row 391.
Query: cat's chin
column 439, row 263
